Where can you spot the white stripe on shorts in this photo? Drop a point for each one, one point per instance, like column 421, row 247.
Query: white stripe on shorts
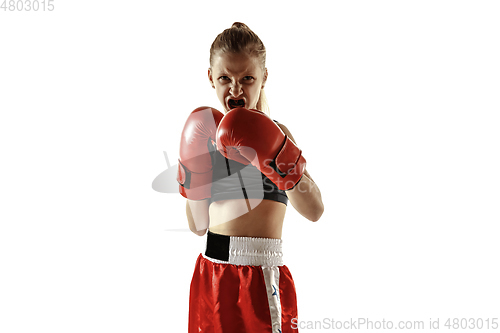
column 272, row 278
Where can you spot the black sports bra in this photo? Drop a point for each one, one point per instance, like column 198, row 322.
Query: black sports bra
column 234, row 180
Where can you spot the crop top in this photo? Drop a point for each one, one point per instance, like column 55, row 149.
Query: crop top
column 234, row 180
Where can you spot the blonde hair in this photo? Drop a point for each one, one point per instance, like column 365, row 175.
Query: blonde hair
column 240, row 39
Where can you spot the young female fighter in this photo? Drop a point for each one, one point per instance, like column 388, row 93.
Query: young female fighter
column 238, row 171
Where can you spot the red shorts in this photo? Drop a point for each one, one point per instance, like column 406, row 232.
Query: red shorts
column 240, row 285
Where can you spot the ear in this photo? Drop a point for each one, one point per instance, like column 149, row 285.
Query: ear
column 265, row 78
column 210, row 77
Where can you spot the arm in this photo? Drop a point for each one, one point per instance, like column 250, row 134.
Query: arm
column 197, row 215
column 195, row 165
column 305, row 197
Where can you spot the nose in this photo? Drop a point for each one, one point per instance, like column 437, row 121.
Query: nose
column 235, row 90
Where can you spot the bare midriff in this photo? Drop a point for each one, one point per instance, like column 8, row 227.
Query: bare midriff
column 247, row 218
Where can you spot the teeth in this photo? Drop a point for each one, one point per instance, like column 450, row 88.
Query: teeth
column 236, row 103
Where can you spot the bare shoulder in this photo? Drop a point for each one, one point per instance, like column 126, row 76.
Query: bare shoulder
column 286, row 131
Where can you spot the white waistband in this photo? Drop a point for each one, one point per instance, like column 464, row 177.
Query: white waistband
column 253, row 251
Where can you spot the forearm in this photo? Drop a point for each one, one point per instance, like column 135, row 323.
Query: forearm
column 306, row 198
column 197, row 216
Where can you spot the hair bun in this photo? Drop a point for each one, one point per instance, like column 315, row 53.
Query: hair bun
column 240, row 25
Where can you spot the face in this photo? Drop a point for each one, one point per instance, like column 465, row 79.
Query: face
column 237, row 79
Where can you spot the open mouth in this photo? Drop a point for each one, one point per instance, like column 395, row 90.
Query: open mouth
column 236, row 103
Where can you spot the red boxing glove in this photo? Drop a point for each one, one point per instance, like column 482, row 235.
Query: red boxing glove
column 194, row 172
column 250, row 136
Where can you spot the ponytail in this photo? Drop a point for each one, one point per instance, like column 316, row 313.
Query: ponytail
column 262, row 104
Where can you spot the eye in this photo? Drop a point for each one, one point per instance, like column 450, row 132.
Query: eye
column 248, row 78
column 223, row 77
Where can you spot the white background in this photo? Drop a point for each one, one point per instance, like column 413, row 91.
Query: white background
column 395, row 105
